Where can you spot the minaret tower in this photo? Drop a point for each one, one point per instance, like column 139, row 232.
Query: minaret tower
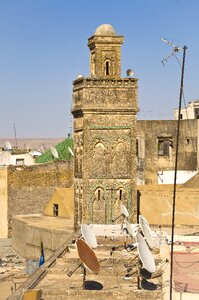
column 104, row 109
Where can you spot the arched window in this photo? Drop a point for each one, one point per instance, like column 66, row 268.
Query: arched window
column 98, row 195
column 120, row 194
column 107, row 68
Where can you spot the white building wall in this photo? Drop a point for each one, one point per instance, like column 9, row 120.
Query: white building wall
column 167, row 177
column 187, row 113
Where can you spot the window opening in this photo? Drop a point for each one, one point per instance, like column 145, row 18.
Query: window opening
column 196, row 112
column 163, row 147
column 137, row 151
column 98, row 195
column 107, row 68
column 19, row 161
column 55, row 210
column 120, row 196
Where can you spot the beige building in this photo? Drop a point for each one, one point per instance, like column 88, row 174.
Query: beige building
column 189, row 112
column 104, row 109
column 156, row 148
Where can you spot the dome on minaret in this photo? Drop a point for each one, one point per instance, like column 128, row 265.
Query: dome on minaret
column 105, row 30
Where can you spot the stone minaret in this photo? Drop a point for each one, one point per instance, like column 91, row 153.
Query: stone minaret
column 104, row 110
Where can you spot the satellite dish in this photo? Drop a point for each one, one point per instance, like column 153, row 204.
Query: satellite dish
column 87, row 256
column 79, row 76
column 70, row 151
column 132, row 229
column 42, row 149
column 54, row 152
column 129, row 73
column 146, row 231
column 89, row 235
column 8, row 146
column 144, row 253
column 124, row 211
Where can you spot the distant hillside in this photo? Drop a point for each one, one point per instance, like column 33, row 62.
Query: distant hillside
column 32, row 143
column 62, row 149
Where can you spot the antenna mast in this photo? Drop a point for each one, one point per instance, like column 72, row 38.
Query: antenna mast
column 15, row 136
column 165, row 59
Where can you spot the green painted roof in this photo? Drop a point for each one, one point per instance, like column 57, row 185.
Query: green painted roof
column 62, row 149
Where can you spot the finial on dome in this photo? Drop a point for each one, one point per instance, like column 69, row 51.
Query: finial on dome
column 105, row 30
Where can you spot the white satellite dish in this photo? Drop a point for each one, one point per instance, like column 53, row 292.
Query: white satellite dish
column 131, row 229
column 145, row 255
column 124, row 211
column 70, row 151
column 146, row 231
column 89, row 235
column 8, row 146
column 54, row 152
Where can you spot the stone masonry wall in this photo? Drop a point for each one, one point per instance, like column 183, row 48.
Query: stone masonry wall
column 148, row 133
column 30, row 187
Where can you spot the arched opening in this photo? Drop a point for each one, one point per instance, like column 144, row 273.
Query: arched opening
column 107, row 68
column 98, row 195
column 120, row 194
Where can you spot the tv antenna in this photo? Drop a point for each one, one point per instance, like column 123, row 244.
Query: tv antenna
column 175, row 49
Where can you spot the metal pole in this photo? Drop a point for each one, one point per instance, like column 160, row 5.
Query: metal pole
column 15, row 133
column 176, row 168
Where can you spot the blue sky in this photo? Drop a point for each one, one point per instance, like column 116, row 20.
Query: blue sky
column 43, row 47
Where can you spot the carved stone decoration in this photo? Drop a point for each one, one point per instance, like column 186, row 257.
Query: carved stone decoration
column 104, row 110
column 120, row 161
column 78, row 151
column 99, row 159
column 99, row 208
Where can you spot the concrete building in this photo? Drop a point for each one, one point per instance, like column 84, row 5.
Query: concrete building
column 104, row 109
column 8, row 158
column 156, row 148
column 189, row 112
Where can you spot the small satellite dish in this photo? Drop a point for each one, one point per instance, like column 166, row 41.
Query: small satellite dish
column 146, row 231
column 124, row 211
column 79, row 76
column 8, row 146
column 42, row 149
column 70, row 151
column 129, row 73
column 144, row 253
column 87, row 256
column 89, row 235
column 54, row 152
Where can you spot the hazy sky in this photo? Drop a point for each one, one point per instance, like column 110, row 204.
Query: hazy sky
column 43, row 47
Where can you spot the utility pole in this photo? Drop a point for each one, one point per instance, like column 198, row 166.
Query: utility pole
column 175, row 49
column 15, row 136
